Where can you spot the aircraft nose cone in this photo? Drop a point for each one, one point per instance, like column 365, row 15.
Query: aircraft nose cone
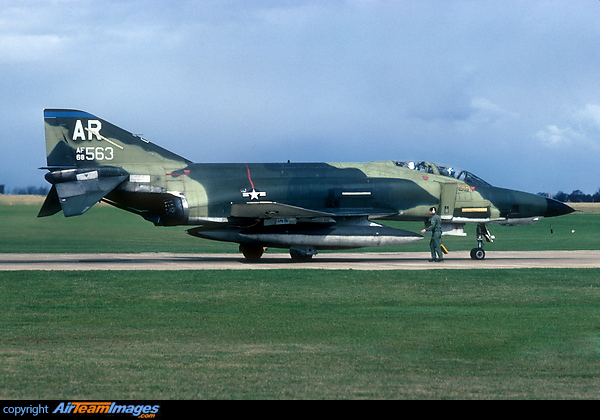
column 556, row 208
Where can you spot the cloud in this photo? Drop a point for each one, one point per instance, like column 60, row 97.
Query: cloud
column 483, row 113
column 553, row 136
column 16, row 48
column 224, row 80
column 589, row 117
column 581, row 129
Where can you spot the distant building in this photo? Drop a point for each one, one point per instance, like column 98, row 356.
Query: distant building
column 1, row 188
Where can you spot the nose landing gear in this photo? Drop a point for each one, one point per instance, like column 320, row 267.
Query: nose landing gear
column 482, row 232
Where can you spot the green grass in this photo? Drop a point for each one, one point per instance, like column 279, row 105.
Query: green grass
column 101, row 229
column 302, row 334
column 106, row 229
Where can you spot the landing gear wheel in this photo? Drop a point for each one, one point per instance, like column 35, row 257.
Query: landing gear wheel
column 482, row 232
column 477, row 254
column 302, row 253
column 252, row 253
column 301, row 258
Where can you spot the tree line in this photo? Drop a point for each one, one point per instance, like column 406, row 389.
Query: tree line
column 576, row 196
column 31, row 190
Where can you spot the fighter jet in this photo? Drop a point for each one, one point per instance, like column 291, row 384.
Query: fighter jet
column 303, row 207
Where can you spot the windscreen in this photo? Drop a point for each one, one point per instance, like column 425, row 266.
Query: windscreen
column 444, row 170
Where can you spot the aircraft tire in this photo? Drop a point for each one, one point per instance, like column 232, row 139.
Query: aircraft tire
column 477, row 254
column 252, row 253
column 301, row 258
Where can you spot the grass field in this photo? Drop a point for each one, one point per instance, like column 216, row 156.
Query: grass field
column 301, row 334
column 293, row 334
column 106, row 229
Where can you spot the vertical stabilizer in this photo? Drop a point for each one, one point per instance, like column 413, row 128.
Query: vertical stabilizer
column 89, row 157
column 78, row 139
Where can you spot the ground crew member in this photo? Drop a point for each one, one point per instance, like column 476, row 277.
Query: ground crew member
column 436, row 236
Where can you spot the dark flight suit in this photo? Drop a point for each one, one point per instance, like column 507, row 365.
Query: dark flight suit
column 436, row 237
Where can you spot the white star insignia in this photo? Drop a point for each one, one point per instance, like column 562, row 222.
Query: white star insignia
column 254, row 195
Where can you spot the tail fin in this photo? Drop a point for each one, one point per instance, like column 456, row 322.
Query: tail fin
column 88, row 157
column 77, row 139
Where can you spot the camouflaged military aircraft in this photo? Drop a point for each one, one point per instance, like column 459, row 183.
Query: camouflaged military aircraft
column 303, row 207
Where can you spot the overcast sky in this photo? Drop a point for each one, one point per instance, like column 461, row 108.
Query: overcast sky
column 507, row 89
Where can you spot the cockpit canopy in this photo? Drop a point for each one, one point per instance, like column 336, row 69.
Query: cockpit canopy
column 444, row 170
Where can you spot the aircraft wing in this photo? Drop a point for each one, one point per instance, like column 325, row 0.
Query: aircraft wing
column 274, row 210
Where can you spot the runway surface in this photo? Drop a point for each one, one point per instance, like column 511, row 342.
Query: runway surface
column 331, row 261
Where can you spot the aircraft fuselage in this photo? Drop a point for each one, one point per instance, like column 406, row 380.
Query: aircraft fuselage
column 379, row 190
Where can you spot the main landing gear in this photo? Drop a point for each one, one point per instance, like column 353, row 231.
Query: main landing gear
column 482, row 232
column 253, row 253
column 302, row 253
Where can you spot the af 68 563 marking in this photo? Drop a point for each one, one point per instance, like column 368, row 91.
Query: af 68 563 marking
column 94, row 153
